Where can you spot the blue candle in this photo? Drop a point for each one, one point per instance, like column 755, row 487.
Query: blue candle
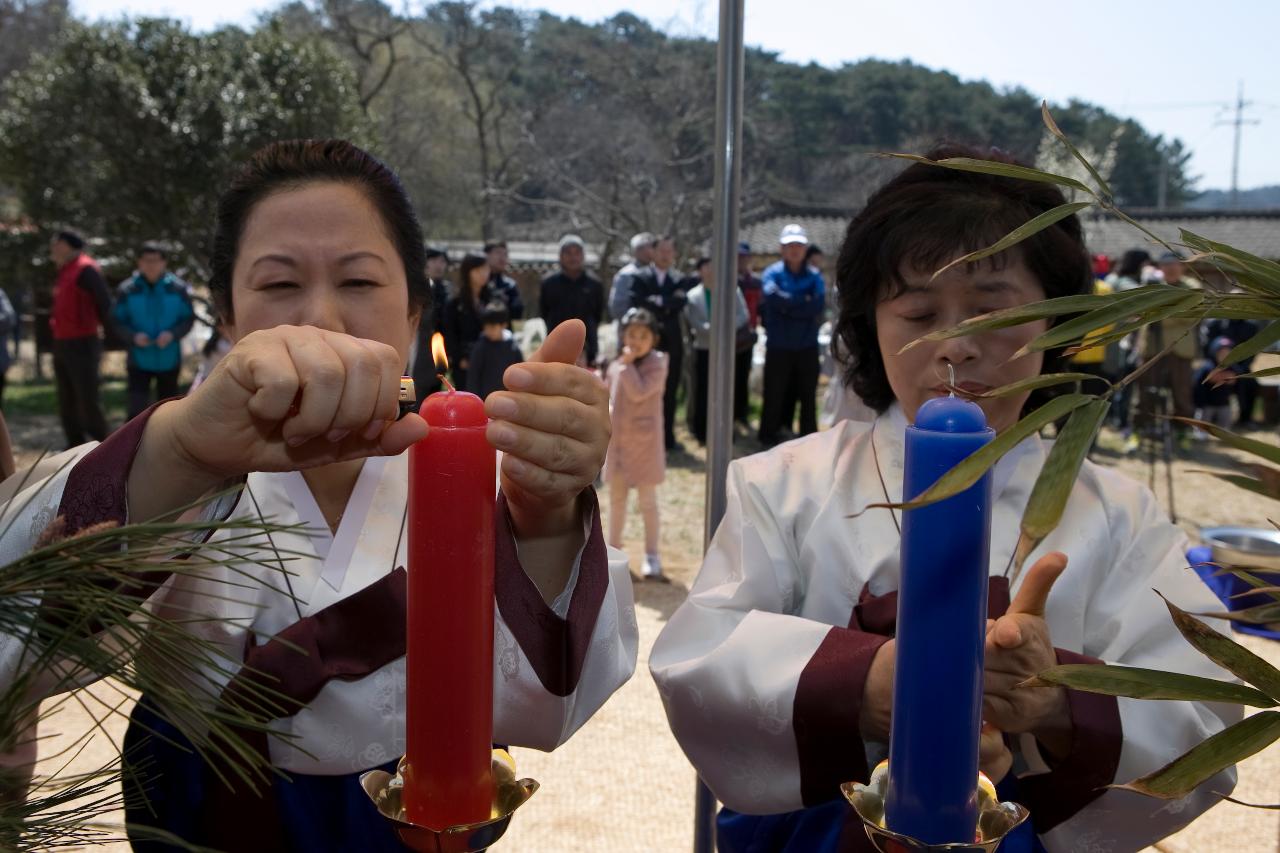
column 942, row 611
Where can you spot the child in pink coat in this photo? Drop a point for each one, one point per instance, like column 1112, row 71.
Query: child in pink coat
column 637, row 455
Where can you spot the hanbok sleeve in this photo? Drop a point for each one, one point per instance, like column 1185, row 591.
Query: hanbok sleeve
column 1117, row 741
column 553, row 671
column 765, row 704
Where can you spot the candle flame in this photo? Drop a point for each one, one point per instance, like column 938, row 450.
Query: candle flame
column 438, row 354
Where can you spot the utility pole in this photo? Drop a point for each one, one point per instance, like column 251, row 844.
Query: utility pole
column 1238, row 122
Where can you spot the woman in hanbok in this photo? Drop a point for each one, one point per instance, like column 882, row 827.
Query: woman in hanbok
column 777, row 671
column 317, row 263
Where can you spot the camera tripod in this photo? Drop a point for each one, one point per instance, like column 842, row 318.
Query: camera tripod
column 1154, row 427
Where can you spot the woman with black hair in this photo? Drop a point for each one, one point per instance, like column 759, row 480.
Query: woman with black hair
column 317, row 275
column 462, row 323
column 777, row 671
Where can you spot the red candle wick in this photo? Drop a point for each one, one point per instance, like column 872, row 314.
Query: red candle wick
column 447, row 383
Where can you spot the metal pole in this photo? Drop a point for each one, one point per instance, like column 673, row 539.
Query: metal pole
column 724, row 256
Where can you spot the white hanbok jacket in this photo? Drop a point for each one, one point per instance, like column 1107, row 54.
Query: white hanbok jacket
column 761, row 669
column 553, row 666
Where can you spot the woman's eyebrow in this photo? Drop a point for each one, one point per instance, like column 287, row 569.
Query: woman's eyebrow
column 279, row 259
column 997, row 286
column 360, row 256
column 910, row 289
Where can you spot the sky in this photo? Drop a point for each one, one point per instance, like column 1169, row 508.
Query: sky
column 1173, row 65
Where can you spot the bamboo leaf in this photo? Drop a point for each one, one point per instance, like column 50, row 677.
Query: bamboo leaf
column 990, row 167
column 1267, row 336
column 1057, row 477
column 969, row 470
column 1269, row 452
column 1149, row 308
column 1112, row 334
column 1136, row 683
column 1260, row 374
column 1240, row 481
column 1254, row 581
column 1229, row 746
column 1017, row 235
column 1249, row 279
column 1263, row 614
column 1251, row 805
column 1018, row 315
column 1062, row 137
column 1225, row 652
column 1242, row 306
column 1269, row 271
column 1273, row 591
column 1033, row 383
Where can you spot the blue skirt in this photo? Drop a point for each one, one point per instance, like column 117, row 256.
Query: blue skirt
column 166, row 783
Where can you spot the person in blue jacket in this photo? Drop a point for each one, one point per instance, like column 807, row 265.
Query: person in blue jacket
column 791, row 310
column 153, row 311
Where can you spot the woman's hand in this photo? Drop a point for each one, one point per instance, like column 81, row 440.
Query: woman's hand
column 1018, row 647
column 553, row 424
column 994, row 757
column 877, row 695
column 282, row 399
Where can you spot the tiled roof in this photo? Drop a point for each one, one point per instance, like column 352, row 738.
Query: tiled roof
column 1257, row 232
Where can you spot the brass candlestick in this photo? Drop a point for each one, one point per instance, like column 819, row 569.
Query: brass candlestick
column 995, row 819
column 509, row 794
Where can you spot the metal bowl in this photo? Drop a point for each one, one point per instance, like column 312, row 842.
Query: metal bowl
column 1244, row 547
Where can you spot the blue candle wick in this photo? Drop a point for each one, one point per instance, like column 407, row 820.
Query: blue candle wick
column 950, row 413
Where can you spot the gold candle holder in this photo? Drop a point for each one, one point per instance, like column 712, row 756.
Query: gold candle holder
column 509, row 794
column 995, row 819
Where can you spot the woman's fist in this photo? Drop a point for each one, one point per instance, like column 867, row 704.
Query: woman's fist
column 292, row 397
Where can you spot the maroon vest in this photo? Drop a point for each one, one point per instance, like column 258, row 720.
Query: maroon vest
column 75, row 314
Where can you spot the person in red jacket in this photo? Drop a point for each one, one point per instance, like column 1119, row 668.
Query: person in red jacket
column 81, row 305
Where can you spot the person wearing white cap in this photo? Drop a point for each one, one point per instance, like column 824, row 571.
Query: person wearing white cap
column 573, row 293
column 791, row 310
column 642, row 246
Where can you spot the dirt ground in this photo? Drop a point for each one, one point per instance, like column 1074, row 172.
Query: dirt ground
column 622, row 784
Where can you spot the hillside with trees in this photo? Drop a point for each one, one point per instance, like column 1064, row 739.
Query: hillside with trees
column 501, row 122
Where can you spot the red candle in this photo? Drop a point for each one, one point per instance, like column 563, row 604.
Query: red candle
column 449, row 660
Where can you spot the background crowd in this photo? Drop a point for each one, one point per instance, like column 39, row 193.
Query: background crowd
column 656, row 321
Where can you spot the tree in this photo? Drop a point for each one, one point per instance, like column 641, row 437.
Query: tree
column 621, row 140
column 368, row 33
column 483, row 50
column 28, row 27
column 173, row 113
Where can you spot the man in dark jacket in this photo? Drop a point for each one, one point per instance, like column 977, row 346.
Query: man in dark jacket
column 81, row 306
column 573, row 293
column 792, row 307
column 500, row 284
column 153, row 312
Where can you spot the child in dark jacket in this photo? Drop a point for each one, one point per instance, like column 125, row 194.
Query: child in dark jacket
column 493, row 353
column 1214, row 386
